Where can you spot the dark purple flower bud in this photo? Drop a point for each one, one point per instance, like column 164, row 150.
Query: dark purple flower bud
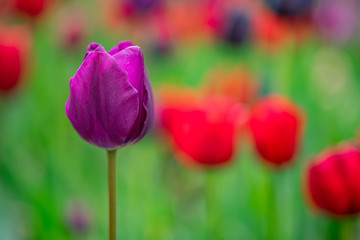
column 237, row 28
column 111, row 102
column 290, row 8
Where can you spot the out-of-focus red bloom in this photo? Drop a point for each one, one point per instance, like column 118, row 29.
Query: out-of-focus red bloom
column 171, row 101
column 238, row 83
column 14, row 47
column 270, row 30
column 276, row 126
column 32, row 8
column 332, row 181
column 205, row 133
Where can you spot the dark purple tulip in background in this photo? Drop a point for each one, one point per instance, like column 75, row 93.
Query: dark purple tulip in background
column 111, row 103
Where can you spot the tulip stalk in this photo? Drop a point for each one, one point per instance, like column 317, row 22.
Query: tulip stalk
column 346, row 229
column 273, row 228
column 112, row 193
column 212, row 217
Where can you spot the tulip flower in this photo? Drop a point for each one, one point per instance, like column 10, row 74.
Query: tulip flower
column 14, row 47
column 270, row 30
column 32, row 8
column 276, row 126
column 331, row 181
column 110, row 104
column 171, row 101
column 205, row 133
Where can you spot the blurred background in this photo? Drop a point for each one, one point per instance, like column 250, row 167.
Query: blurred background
column 53, row 184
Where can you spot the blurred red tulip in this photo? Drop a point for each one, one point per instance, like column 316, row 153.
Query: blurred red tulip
column 170, row 102
column 270, row 30
column 332, row 181
column 206, row 132
column 238, row 83
column 14, row 47
column 32, row 8
column 276, row 126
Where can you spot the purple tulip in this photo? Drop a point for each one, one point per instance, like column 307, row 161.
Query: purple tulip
column 111, row 103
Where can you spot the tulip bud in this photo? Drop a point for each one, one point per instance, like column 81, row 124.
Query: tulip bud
column 14, row 47
column 206, row 133
column 111, row 103
column 331, row 181
column 276, row 127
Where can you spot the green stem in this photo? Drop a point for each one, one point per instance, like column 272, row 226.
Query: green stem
column 346, row 229
column 212, row 217
column 273, row 228
column 112, row 193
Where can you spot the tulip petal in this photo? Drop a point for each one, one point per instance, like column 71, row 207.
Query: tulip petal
column 103, row 105
column 94, row 47
column 349, row 164
column 327, row 187
column 148, row 107
column 120, row 46
column 131, row 60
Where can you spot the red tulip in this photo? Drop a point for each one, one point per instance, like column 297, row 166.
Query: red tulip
column 206, row 133
column 14, row 45
column 33, row 8
column 270, row 30
column 170, row 103
column 332, row 181
column 276, row 126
